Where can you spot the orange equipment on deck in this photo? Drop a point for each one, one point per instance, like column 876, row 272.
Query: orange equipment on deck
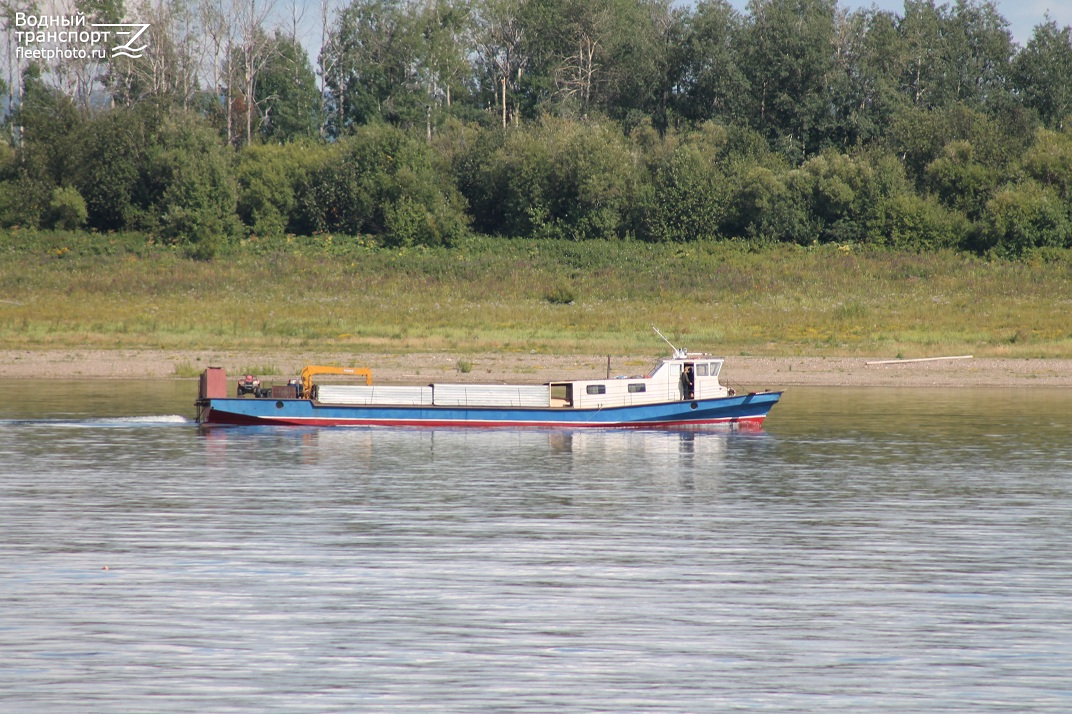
column 313, row 370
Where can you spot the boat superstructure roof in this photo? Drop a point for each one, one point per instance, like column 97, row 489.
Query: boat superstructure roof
column 679, row 357
column 685, row 357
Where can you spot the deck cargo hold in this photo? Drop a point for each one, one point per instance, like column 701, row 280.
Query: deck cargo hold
column 347, row 394
column 491, row 395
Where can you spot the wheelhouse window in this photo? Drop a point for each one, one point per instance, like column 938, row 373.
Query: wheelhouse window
column 596, row 389
column 701, row 369
column 637, row 387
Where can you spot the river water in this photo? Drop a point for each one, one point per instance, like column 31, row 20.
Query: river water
column 871, row 550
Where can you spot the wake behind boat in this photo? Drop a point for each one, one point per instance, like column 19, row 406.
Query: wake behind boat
column 681, row 391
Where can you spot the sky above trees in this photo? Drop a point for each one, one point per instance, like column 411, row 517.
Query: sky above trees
column 1022, row 15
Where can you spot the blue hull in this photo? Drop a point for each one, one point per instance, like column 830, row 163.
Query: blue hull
column 747, row 409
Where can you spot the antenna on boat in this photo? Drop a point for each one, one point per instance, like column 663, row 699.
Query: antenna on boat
column 678, row 354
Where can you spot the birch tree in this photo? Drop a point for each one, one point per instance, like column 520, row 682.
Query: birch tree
column 500, row 40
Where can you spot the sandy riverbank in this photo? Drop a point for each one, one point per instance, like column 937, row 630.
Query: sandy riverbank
column 740, row 372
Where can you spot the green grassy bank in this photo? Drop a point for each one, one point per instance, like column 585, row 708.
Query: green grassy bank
column 62, row 290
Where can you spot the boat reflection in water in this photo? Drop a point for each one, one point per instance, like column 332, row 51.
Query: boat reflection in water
column 499, row 457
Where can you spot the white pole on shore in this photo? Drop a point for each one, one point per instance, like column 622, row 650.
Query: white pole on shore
column 918, row 359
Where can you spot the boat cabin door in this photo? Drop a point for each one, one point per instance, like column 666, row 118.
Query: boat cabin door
column 688, row 381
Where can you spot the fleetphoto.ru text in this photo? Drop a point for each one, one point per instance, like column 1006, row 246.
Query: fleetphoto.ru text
column 48, row 37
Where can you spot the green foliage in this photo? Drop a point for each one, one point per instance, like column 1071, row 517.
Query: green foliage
column 959, row 181
column 978, row 52
column 8, row 161
column 843, row 192
column 1049, row 161
column 1040, row 74
column 287, row 92
column 715, row 86
column 67, row 209
column 1026, row 216
column 370, row 63
column 149, row 168
column 271, row 180
column 510, row 186
column 784, row 53
column 772, row 207
column 107, row 165
column 192, row 187
column 406, row 223
column 612, row 57
column 864, row 89
column 383, row 182
column 906, row 221
column 954, row 54
column 569, row 120
column 555, row 179
column 48, row 121
column 690, row 195
column 23, row 202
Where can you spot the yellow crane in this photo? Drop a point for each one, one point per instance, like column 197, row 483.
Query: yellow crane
column 313, row 370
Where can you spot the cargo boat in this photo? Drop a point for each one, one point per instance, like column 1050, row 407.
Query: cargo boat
column 682, row 391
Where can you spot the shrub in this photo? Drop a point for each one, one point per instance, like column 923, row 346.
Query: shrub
column 767, row 206
column 191, row 187
column 843, row 192
column 381, row 181
column 689, row 197
column 67, row 209
column 270, row 180
column 1049, row 161
column 910, row 222
column 554, row 179
column 155, row 169
column 1027, row 216
column 406, row 224
column 107, row 166
column 959, row 180
column 23, row 202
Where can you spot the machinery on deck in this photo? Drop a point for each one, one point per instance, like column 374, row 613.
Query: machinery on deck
column 251, row 385
column 313, row 370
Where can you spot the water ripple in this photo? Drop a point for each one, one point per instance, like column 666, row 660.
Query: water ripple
column 828, row 564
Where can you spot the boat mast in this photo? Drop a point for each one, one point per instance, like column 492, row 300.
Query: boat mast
column 678, row 354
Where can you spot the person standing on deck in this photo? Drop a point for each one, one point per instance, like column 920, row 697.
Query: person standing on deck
column 688, row 382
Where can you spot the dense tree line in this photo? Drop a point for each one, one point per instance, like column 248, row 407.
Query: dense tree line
column 794, row 121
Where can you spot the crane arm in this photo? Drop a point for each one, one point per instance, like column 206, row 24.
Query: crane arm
column 313, row 370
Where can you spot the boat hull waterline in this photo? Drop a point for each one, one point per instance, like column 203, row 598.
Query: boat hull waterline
column 746, row 410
